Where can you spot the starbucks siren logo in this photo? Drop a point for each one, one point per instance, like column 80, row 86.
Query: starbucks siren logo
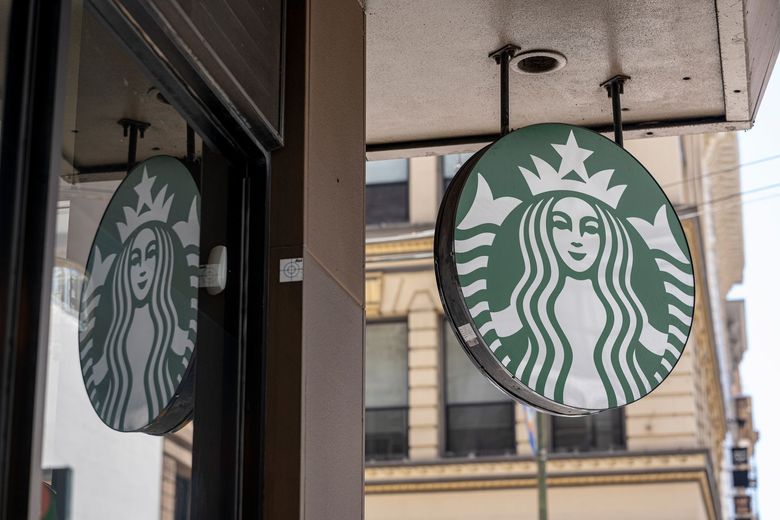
column 574, row 287
column 138, row 314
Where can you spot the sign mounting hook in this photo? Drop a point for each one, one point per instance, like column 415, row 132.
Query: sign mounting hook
column 614, row 86
column 134, row 129
column 502, row 57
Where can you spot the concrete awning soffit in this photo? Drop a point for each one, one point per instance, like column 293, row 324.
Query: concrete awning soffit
column 695, row 66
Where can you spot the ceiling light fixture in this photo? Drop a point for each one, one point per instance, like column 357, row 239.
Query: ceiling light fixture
column 538, row 62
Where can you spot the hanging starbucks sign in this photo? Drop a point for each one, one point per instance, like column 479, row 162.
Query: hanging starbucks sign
column 138, row 313
column 564, row 270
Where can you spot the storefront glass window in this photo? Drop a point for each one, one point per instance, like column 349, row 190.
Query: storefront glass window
column 95, row 469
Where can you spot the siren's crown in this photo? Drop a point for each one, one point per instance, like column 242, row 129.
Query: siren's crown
column 573, row 157
column 147, row 210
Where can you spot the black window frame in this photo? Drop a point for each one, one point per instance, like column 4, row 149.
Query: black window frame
column 229, row 445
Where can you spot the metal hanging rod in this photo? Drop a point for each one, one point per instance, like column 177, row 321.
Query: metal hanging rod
column 502, row 57
column 135, row 129
column 614, row 86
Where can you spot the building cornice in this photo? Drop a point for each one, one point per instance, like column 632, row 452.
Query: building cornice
column 579, row 470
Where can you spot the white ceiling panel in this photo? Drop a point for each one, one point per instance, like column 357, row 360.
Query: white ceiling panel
column 429, row 76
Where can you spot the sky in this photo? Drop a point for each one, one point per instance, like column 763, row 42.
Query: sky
column 761, row 290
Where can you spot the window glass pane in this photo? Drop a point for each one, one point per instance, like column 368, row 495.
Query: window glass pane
column 570, row 433
column 386, row 390
column 387, row 203
column 386, row 364
column 387, row 191
column 111, row 473
column 387, row 172
column 480, row 429
column 608, row 431
column 601, row 432
column 480, row 419
column 386, row 433
column 452, row 163
column 465, row 383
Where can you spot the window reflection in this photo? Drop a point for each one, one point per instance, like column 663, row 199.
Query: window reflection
column 97, row 472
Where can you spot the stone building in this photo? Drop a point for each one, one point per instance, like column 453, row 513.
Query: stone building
column 442, row 443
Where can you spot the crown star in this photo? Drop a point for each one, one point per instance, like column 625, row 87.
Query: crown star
column 144, row 191
column 572, row 157
column 548, row 179
column 148, row 209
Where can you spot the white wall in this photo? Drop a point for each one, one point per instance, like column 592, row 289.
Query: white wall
column 115, row 475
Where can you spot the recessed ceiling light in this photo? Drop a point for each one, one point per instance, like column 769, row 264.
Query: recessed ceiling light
column 538, row 62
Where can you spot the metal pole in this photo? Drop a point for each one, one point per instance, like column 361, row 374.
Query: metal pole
column 614, row 92
column 504, row 63
column 541, row 462
column 502, row 57
column 614, row 88
column 190, row 143
column 132, row 148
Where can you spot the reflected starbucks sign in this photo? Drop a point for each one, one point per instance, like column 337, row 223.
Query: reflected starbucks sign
column 565, row 270
column 138, row 313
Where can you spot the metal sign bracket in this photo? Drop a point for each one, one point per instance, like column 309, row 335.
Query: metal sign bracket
column 134, row 129
column 614, row 86
column 213, row 276
column 502, row 57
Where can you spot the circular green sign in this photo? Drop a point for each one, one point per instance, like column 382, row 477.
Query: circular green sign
column 564, row 270
column 139, row 303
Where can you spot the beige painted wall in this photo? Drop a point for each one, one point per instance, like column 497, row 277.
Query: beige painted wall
column 663, row 158
column 424, row 190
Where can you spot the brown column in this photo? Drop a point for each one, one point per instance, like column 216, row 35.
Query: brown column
column 314, row 416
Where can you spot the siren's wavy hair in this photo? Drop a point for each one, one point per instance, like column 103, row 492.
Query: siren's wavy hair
column 547, row 360
column 157, row 379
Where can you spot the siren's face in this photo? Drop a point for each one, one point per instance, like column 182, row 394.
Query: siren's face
column 143, row 261
column 576, row 233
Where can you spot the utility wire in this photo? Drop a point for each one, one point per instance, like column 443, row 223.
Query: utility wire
column 738, row 194
column 720, row 207
column 722, row 171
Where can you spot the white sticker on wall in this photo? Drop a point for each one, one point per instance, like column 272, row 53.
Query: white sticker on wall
column 290, row 270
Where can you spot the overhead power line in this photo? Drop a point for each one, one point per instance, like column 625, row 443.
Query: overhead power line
column 722, row 171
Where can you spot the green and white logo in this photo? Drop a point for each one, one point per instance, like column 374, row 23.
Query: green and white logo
column 565, row 270
column 138, row 314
